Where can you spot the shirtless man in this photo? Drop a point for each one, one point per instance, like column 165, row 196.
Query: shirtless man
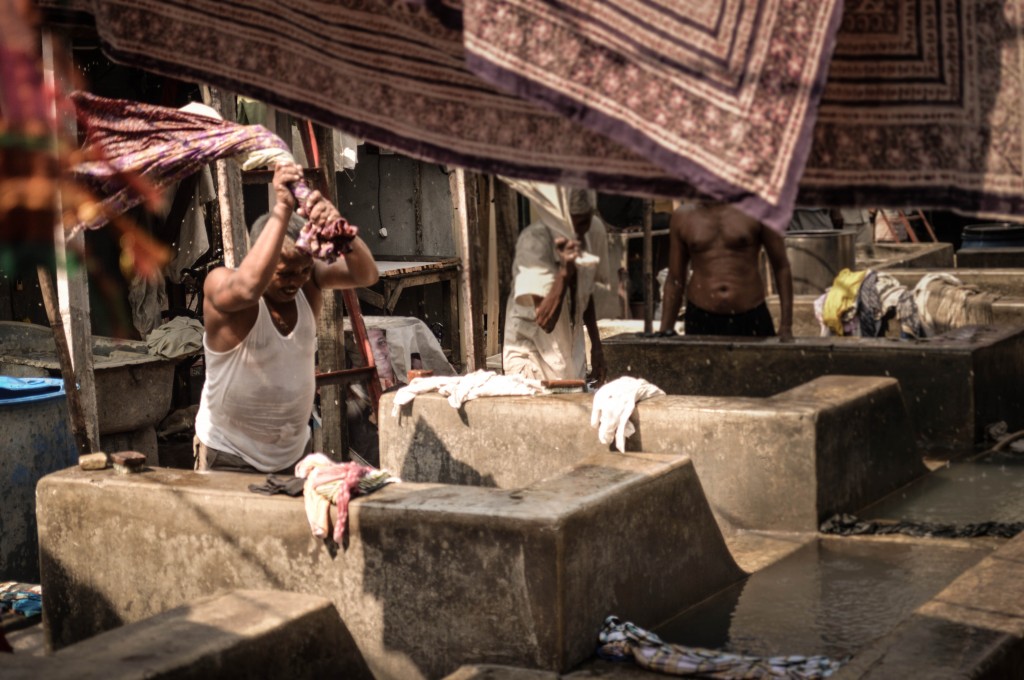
column 725, row 294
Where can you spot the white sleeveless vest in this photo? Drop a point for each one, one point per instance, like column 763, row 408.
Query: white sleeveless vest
column 258, row 396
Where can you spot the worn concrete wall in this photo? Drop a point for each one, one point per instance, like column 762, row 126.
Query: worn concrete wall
column 429, row 576
column 1004, row 282
column 905, row 255
column 505, row 442
column 240, row 634
column 999, row 258
column 949, row 404
column 1005, row 312
column 785, row 462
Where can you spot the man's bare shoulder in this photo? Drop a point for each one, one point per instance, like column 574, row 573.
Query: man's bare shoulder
column 686, row 214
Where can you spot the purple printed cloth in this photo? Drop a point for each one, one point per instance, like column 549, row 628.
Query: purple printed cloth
column 141, row 146
column 858, row 103
column 156, row 144
column 663, row 97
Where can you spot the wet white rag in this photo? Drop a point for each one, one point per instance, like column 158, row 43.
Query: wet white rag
column 460, row 389
column 614, row 404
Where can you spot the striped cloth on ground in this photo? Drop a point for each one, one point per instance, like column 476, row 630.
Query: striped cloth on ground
column 623, row 640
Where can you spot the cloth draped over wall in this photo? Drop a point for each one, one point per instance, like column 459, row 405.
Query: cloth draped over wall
column 922, row 102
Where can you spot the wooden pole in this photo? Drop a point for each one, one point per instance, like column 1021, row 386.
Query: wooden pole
column 330, row 331
column 648, row 269
column 493, row 336
column 234, row 235
column 72, row 286
column 506, row 225
column 67, row 369
column 465, row 226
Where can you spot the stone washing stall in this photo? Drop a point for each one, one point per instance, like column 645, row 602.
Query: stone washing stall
column 428, row 577
column 1005, row 312
column 238, row 634
column 1007, row 285
column 784, row 462
column 885, row 256
column 953, row 385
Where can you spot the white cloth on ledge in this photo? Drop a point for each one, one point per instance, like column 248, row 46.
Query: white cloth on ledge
column 460, row 389
column 614, row 404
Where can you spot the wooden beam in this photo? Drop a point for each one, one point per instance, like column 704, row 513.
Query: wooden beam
column 72, row 283
column 648, row 268
column 506, row 225
column 67, row 368
column 330, row 330
column 493, row 334
column 279, row 122
column 466, row 230
column 234, row 235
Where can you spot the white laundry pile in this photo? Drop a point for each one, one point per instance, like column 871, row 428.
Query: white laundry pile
column 460, row 389
column 614, row 404
column 329, row 482
column 944, row 302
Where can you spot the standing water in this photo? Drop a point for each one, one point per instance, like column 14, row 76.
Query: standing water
column 831, row 597
column 989, row 489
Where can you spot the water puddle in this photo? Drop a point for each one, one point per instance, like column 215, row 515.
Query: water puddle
column 831, row 597
column 989, row 489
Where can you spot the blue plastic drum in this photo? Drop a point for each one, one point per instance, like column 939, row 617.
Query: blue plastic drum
column 35, row 440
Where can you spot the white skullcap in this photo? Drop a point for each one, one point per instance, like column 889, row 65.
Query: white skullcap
column 200, row 109
column 580, row 202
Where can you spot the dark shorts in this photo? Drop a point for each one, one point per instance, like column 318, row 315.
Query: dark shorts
column 207, row 459
column 756, row 323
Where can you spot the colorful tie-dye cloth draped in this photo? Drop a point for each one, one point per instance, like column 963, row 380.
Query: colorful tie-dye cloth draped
column 158, row 144
column 654, row 97
column 161, row 145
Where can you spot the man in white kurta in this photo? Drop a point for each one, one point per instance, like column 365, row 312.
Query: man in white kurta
column 554, row 274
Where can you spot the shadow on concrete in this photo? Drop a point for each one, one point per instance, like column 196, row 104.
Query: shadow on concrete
column 67, row 620
column 448, row 470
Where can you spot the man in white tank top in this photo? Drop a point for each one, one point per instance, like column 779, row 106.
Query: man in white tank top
column 260, row 339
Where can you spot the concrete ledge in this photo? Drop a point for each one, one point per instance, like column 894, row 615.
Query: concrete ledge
column 972, row 629
column 1000, row 258
column 243, row 634
column 1005, row 312
column 905, row 255
column 503, row 442
column 486, row 672
column 790, row 461
column 431, row 576
column 1004, row 282
column 786, row 462
column 953, row 385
